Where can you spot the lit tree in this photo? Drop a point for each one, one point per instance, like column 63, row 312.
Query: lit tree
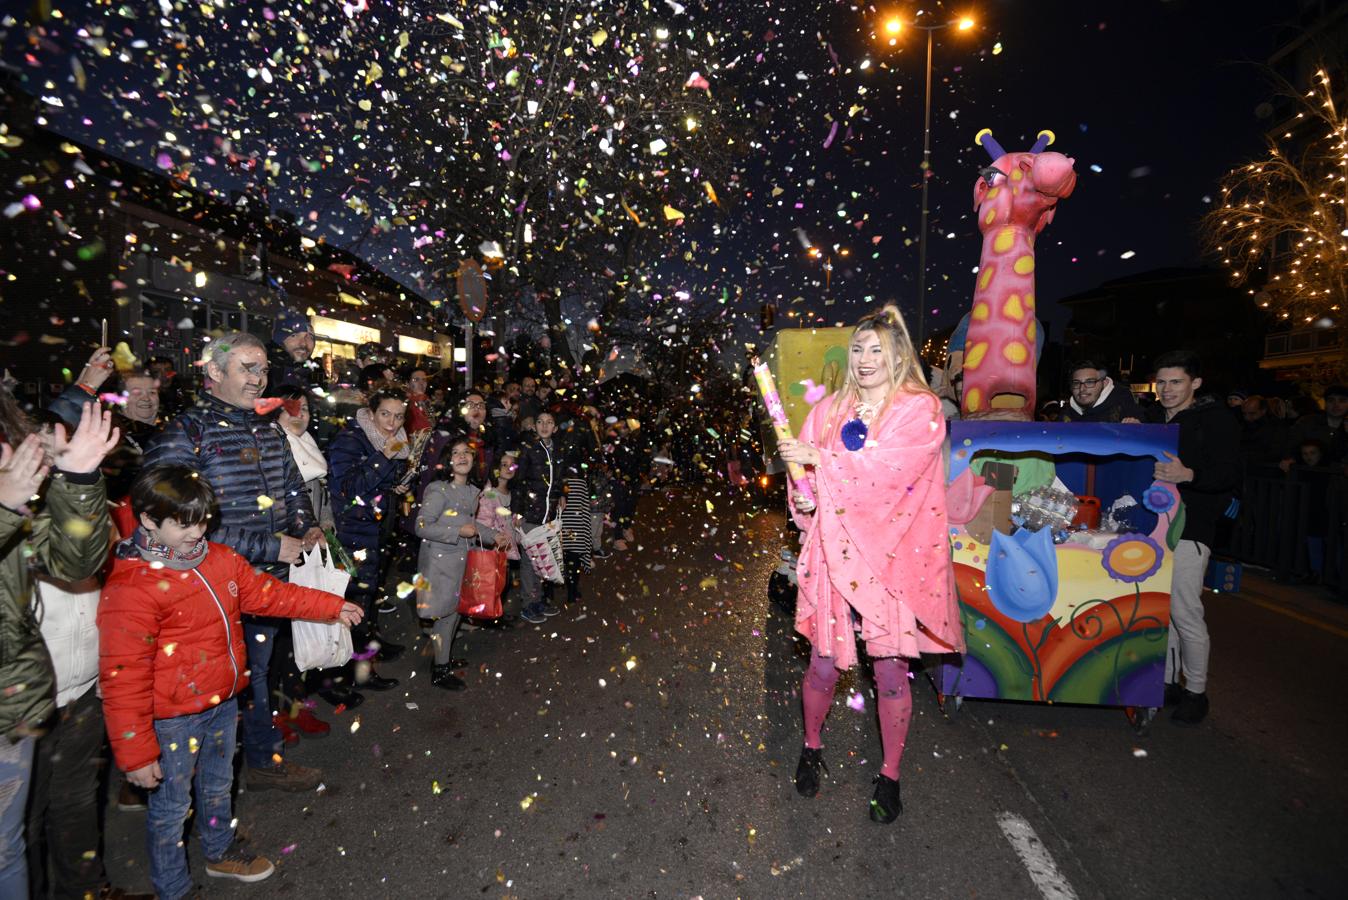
column 1281, row 226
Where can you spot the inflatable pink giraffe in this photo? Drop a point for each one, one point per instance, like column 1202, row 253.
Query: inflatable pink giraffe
column 1015, row 198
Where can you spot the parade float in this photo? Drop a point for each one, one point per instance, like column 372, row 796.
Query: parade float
column 1062, row 542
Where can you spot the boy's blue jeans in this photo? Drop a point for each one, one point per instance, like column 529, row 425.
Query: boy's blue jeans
column 193, row 750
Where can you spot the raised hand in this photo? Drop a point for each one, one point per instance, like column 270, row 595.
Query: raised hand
column 93, row 439
column 97, row 369
column 21, row 471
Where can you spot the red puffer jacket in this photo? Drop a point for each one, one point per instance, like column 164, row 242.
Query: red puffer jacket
column 171, row 642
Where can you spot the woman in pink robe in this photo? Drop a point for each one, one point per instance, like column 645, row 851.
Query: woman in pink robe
column 875, row 559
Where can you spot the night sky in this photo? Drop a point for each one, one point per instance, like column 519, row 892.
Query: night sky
column 1160, row 97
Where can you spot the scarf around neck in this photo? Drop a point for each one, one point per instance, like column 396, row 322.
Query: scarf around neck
column 365, row 419
column 308, row 458
column 153, row 552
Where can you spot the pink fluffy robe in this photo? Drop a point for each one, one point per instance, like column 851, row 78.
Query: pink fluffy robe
column 878, row 541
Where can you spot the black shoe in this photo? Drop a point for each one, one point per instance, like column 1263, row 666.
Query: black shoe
column 442, row 677
column 343, row 696
column 1173, row 693
column 807, row 771
column 388, row 651
column 377, row 682
column 885, row 804
column 1192, row 709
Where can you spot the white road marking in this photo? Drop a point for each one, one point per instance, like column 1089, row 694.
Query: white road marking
column 1036, row 858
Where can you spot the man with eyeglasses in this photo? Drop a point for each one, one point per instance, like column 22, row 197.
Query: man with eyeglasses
column 1096, row 398
column 468, row 419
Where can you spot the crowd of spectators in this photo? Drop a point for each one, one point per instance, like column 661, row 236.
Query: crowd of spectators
column 149, row 523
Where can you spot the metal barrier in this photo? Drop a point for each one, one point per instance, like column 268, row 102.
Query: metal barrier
column 1271, row 528
column 1335, row 573
column 1286, row 518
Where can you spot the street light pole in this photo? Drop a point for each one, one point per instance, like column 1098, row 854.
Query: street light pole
column 894, row 26
column 922, row 233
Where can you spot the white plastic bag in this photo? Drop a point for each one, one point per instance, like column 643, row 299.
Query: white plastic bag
column 320, row 645
column 543, row 548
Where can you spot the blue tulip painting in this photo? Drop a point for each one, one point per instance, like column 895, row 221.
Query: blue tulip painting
column 1023, row 574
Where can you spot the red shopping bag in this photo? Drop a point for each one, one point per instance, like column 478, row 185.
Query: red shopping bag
column 484, row 580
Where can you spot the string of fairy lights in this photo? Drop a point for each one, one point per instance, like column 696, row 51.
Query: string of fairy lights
column 1282, row 228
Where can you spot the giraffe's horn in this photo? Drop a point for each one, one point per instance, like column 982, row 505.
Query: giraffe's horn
column 985, row 139
column 1046, row 138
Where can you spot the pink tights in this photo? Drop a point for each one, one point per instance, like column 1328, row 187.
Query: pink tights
column 895, row 704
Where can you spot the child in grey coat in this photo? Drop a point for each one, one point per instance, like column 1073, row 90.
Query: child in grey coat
column 448, row 528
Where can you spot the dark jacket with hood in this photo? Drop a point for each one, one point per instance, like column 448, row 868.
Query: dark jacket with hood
column 536, row 492
column 1209, row 443
column 283, row 371
column 247, row 461
column 1114, row 404
column 361, row 480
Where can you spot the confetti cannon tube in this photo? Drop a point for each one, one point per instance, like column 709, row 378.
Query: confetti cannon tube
column 773, row 401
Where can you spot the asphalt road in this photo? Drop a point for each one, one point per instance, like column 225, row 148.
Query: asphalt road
column 644, row 743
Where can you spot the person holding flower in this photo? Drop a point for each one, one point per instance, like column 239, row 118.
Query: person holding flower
column 875, row 556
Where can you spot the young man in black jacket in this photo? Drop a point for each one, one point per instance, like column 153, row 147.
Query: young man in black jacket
column 1206, row 471
column 1096, row 398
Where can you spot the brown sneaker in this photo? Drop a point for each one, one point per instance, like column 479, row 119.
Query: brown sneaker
column 240, row 866
column 284, row 777
column 130, row 798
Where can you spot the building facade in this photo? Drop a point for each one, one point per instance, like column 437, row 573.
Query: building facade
column 167, row 265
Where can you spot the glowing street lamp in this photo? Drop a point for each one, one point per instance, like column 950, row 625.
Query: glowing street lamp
column 893, row 26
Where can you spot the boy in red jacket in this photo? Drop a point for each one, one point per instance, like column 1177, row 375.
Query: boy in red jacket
column 172, row 661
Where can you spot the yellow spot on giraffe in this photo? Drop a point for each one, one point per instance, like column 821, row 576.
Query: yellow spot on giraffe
column 1024, row 265
column 992, row 214
column 1030, row 331
column 992, row 194
column 1017, row 174
column 973, row 400
column 974, row 357
column 1012, row 309
column 1005, row 238
column 980, row 312
column 1015, row 353
column 1029, row 301
column 984, row 277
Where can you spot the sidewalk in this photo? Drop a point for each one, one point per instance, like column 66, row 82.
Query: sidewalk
column 1307, row 603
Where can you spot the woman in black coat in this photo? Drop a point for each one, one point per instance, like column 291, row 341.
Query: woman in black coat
column 535, row 500
column 366, row 460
